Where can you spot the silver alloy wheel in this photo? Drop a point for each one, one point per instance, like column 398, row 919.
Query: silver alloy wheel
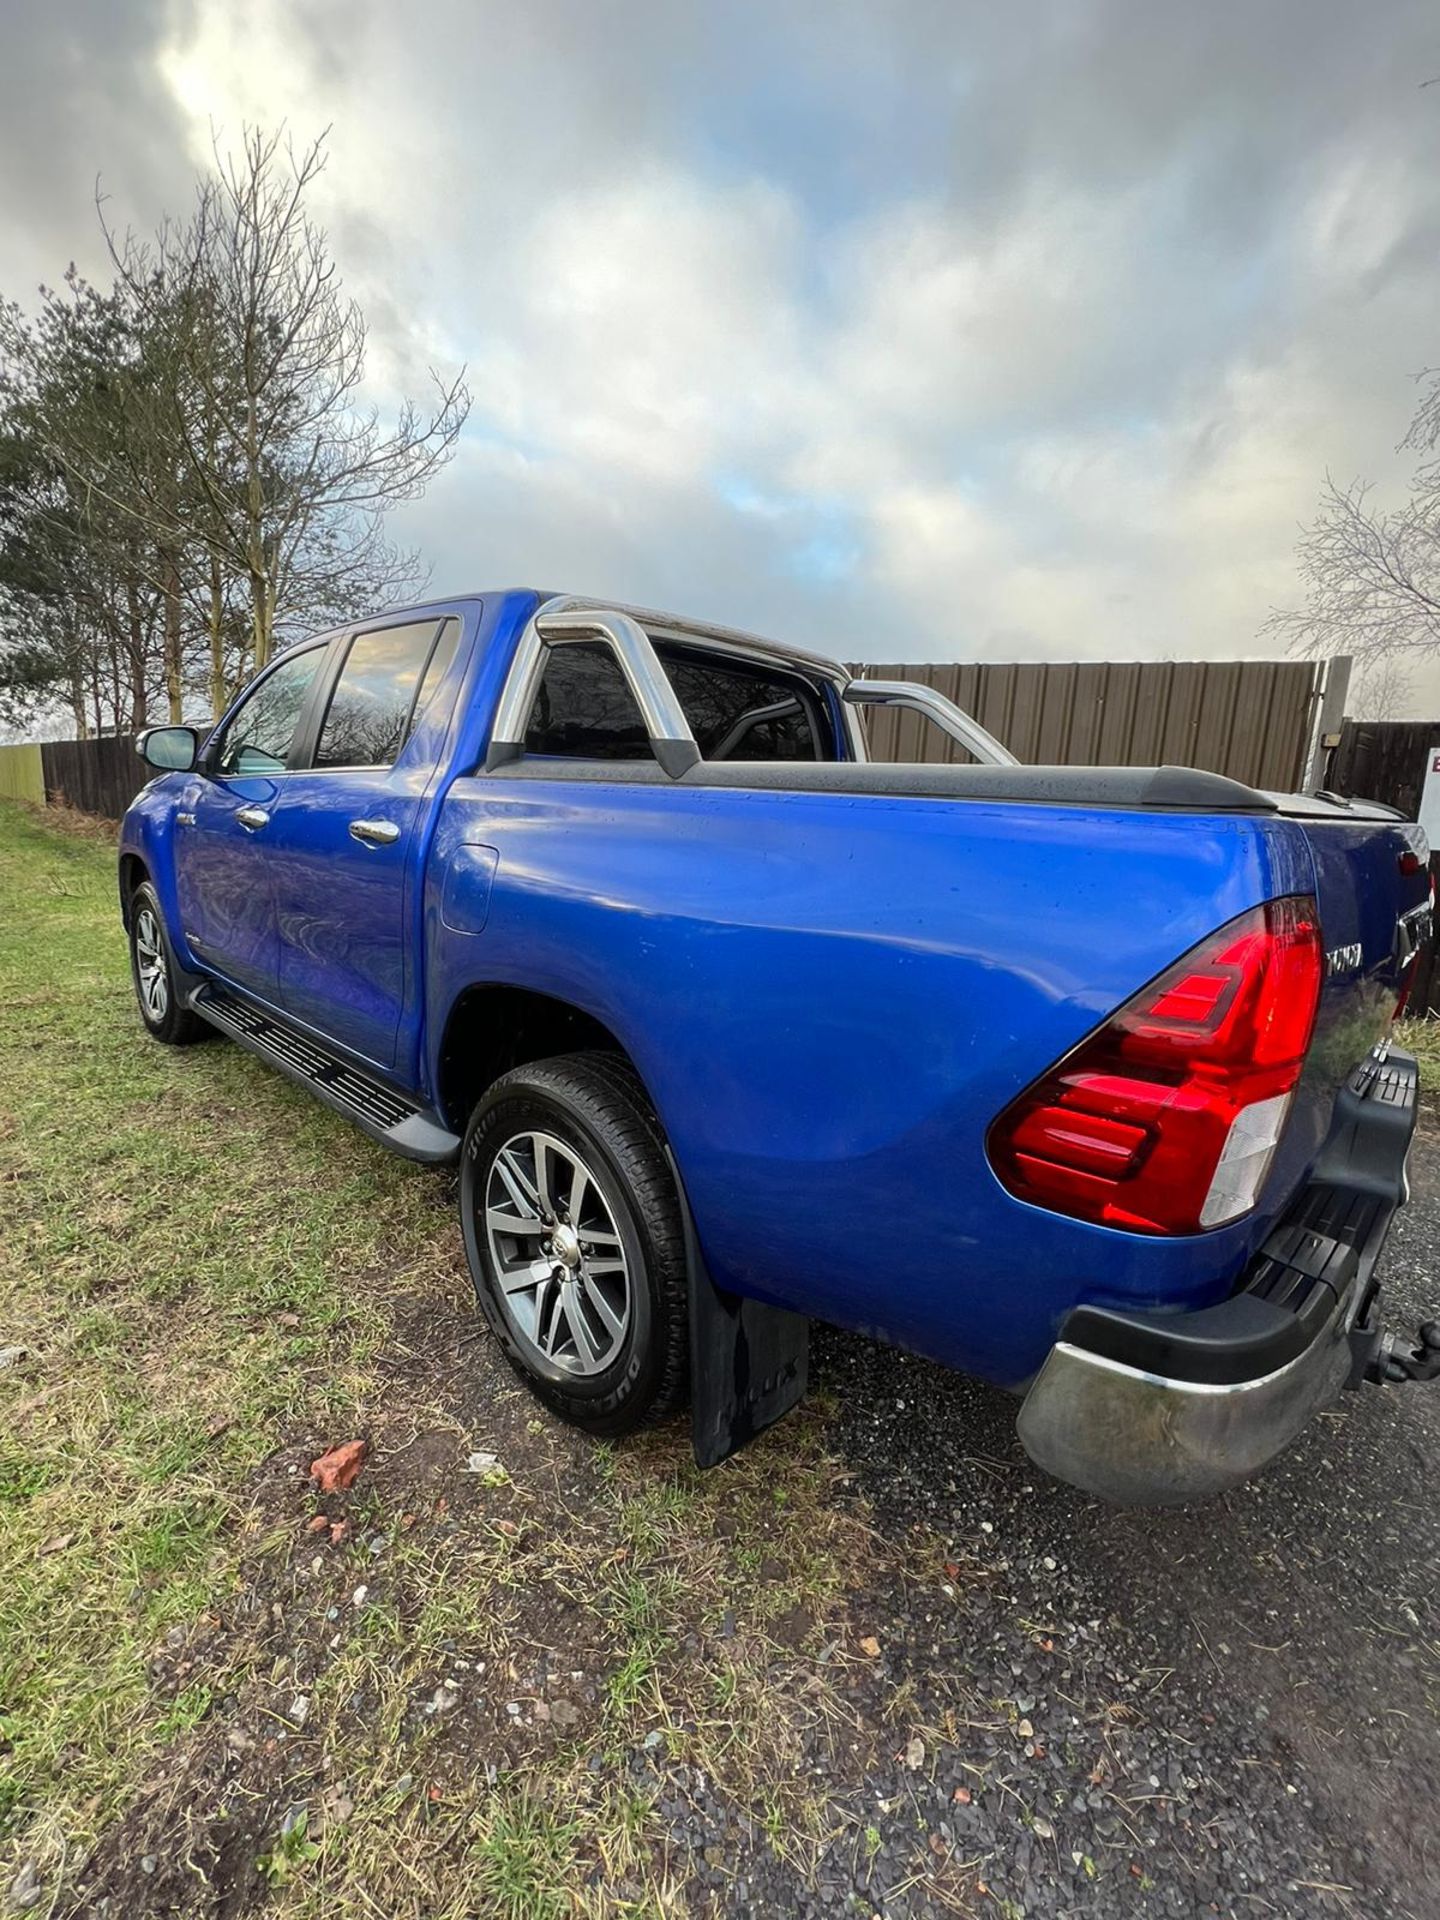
column 556, row 1253
column 151, row 969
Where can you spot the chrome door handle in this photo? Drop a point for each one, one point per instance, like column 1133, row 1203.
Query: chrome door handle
column 375, row 833
column 184, row 819
column 252, row 818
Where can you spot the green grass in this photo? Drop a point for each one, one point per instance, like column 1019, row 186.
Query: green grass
column 1422, row 1038
column 524, row 1862
column 162, row 1208
column 211, row 1274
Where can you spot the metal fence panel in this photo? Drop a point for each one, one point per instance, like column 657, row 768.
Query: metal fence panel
column 1251, row 719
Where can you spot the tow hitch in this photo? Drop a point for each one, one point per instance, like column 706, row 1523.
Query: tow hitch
column 1390, row 1358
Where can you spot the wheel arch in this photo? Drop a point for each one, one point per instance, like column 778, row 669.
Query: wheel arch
column 492, row 1027
column 133, row 872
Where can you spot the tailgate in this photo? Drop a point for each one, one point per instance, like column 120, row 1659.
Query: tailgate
column 1372, row 885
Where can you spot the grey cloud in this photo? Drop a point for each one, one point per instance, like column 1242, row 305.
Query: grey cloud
column 80, row 98
column 1058, row 315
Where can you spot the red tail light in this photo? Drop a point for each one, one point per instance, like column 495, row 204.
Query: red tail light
column 1167, row 1118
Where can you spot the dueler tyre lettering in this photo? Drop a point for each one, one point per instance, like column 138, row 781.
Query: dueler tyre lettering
column 572, row 1231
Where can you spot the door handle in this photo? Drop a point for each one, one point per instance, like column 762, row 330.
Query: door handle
column 184, row 819
column 375, row 833
column 252, row 818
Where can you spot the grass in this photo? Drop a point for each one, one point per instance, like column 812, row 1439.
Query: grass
column 182, row 1290
column 1422, row 1038
column 524, row 1858
column 213, row 1278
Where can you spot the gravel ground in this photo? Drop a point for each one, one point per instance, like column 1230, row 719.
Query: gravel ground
column 1230, row 1709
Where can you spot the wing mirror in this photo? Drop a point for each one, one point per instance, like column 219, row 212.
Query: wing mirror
column 170, row 749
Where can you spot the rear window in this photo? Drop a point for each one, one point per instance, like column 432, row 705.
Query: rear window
column 585, row 709
column 742, row 712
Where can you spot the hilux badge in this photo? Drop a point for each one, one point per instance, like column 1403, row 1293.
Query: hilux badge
column 1343, row 959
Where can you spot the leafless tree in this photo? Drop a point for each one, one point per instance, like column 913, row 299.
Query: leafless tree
column 293, row 473
column 189, row 468
column 1385, row 690
column 1372, row 575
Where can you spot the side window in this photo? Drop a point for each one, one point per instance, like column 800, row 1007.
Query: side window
column 259, row 735
column 438, row 665
column 368, row 717
column 585, row 709
column 742, row 712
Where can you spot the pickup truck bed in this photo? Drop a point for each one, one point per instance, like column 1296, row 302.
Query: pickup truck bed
column 885, row 1027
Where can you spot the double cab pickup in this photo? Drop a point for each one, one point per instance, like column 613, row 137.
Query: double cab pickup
column 1079, row 1079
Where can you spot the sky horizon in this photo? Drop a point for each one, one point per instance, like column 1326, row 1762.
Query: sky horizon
column 908, row 331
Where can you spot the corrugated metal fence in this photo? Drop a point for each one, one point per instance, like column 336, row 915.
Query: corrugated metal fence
column 1251, row 719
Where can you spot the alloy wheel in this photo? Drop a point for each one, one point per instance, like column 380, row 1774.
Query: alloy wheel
column 151, row 969
column 559, row 1261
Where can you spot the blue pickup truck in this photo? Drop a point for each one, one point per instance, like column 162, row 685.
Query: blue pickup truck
column 1078, row 1079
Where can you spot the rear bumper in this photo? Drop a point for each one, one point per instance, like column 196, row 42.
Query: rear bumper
column 1158, row 1409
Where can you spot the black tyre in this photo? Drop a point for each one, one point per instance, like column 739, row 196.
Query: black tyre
column 152, row 967
column 572, row 1230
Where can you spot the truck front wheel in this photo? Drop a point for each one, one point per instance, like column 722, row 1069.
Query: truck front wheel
column 573, row 1235
column 152, row 968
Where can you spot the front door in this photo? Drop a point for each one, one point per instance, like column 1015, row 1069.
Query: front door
column 227, row 907
column 342, row 850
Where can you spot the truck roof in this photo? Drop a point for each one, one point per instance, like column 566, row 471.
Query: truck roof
column 673, row 625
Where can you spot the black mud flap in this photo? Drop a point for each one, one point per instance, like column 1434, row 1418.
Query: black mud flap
column 749, row 1363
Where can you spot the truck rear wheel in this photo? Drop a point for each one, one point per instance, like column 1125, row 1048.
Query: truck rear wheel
column 573, row 1235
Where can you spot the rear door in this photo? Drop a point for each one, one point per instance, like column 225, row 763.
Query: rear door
column 342, row 845
column 222, row 872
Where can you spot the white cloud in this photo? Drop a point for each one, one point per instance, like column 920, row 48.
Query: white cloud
column 999, row 339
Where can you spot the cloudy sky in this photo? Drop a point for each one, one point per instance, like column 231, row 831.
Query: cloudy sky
column 901, row 328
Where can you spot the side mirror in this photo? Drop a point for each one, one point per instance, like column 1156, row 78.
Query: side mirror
column 171, row 749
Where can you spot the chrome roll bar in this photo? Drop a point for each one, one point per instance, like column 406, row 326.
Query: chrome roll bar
column 563, row 622
column 945, row 714
column 567, row 621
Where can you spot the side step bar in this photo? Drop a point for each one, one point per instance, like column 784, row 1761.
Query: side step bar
column 387, row 1116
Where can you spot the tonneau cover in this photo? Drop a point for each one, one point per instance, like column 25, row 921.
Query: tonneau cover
column 1167, row 789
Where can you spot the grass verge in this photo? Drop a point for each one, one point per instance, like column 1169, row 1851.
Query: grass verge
column 445, row 1691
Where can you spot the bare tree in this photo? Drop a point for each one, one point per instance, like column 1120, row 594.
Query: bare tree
column 1372, row 576
column 1385, row 690
column 292, row 472
column 189, row 469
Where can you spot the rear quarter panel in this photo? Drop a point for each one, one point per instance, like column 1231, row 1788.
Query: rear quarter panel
column 831, row 997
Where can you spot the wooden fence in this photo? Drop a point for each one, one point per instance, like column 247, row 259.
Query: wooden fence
column 98, row 776
column 1385, row 760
